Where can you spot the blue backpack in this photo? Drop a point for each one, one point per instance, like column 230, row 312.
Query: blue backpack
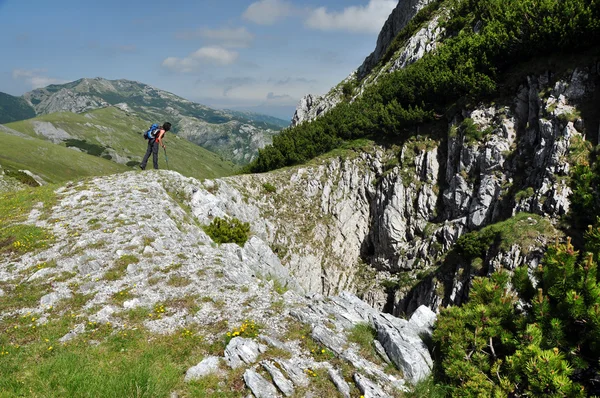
column 151, row 133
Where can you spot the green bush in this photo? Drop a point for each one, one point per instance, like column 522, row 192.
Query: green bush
column 270, row 188
column 92, row 149
column 228, row 231
column 498, row 345
column 22, row 177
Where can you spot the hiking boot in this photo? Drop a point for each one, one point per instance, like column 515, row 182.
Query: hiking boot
column 142, row 167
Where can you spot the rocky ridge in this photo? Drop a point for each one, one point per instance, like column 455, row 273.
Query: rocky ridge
column 171, row 261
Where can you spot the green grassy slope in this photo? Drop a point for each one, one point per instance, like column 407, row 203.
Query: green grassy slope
column 54, row 163
column 14, row 108
column 116, row 135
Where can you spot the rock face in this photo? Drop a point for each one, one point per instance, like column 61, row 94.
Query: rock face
column 311, row 107
column 390, row 211
column 64, row 100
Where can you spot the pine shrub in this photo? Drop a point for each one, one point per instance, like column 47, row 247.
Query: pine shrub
column 533, row 344
column 228, row 231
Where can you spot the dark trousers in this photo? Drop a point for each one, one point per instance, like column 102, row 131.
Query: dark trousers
column 152, row 149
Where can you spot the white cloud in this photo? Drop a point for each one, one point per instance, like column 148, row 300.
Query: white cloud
column 216, row 55
column 369, row 18
column 35, row 77
column 267, row 12
column 205, row 55
column 225, row 37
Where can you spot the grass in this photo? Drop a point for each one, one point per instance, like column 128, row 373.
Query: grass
column 54, row 163
column 178, row 281
column 22, row 295
column 107, row 131
column 523, row 229
column 363, row 334
column 427, row 388
column 127, row 363
column 15, row 207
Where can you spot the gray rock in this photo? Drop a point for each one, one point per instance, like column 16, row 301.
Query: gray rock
column 339, row 382
column 423, row 319
column 397, row 20
column 381, row 351
column 328, row 338
column 404, row 347
column 205, row 367
column 79, row 329
column 282, row 383
column 241, row 351
column 259, row 386
column 294, row 372
column 368, row 388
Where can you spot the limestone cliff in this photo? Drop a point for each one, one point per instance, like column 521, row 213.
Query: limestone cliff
column 400, row 213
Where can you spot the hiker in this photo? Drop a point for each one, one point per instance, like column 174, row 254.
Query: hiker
column 153, row 142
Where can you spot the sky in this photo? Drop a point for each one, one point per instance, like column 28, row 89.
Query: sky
column 256, row 55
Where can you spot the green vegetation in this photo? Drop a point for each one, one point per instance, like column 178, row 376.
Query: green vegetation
column 523, row 229
column 22, row 177
column 466, row 68
column 228, row 231
column 54, row 163
column 363, row 334
column 270, row 188
column 120, row 268
column 107, row 132
column 248, row 329
column 14, row 108
column 585, row 199
column 15, row 207
column 128, row 362
column 495, row 346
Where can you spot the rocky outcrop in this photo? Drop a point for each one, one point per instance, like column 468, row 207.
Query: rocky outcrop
column 64, row 100
column 422, row 42
column 310, row 107
column 398, row 19
column 391, row 213
column 180, row 280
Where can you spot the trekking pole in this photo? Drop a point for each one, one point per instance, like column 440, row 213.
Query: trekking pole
column 166, row 158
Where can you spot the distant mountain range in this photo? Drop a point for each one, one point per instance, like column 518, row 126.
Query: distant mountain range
column 234, row 135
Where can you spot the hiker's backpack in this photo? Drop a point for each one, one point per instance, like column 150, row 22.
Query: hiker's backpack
column 151, row 133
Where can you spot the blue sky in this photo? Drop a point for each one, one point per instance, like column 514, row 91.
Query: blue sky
column 262, row 55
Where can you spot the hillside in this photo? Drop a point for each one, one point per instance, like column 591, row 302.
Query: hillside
column 53, row 163
column 450, row 56
column 14, row 108
column 111, row 299
column 233, row 135
column 116, row 135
